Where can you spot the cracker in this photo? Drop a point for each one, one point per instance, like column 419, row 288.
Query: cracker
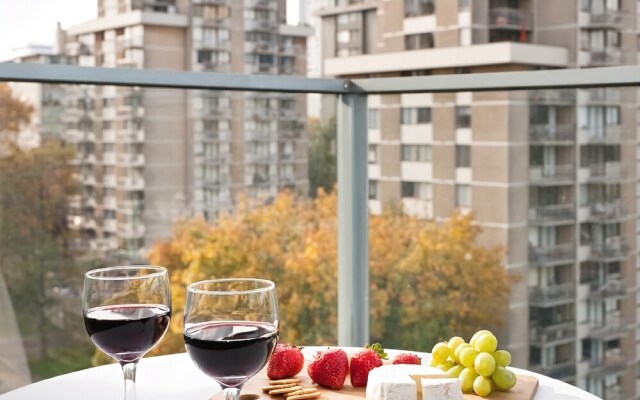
column 269, row 388
column 285, row 390
column 284, row 381
column 304, row 396
column 303, row 391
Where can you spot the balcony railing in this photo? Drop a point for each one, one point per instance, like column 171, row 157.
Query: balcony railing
column 552, row 174
column 612, row 327
column 553, row 97
column 544, row 133
column 552, row 214
column 608, row 56
column 606, row 19
column 552, row 295
column 351, row 137
column 552, row 335
column 611, row 288
column 261, row 4
column 606, row 172
column 600, row 96
column 607, row 212
column 611, row 249
column 510, row 18
column 563, row 370
column 613, row 363
column 601, row 134
column 551, row 255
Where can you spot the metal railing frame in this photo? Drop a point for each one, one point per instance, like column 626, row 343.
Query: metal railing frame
column 353, row 270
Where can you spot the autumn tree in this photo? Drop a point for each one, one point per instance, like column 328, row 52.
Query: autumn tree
column 322, row 155
column 34, row 189
column 428, row 280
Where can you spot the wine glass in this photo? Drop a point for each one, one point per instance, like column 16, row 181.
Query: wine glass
column 126, row 312
column 231, row 329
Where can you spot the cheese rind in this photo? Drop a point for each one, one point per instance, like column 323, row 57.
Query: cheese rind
column 441, row 389
column 397, row 382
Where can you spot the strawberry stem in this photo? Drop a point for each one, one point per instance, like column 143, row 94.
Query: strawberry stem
column 377, row 348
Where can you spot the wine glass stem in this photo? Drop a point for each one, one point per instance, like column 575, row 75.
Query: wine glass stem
column 129, row 372
column 232, row 393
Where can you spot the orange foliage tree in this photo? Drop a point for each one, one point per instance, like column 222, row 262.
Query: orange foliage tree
column 427, row 280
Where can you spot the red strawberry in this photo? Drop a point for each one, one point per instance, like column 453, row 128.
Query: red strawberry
column 285, row 361
column 329, row 368
column 363, row 362
column 407, row 358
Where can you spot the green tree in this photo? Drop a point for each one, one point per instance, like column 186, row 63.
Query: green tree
column 322, row 156
column 34, row 189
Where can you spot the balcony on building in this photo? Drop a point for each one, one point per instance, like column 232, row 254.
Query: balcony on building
column 600, row 96
column 156, row 6
column 612, row 327
column 212, row 2
column 130, row 159
column 551, row 255
column 613, row 287
column 602, row 18
column 607, row 212
column 548, row 134
column 600, row 134
column 553, row 214
column 553, row 333
column 603, row 172
column 213, row 66
column 611, row 249
column 131, row 231
column 131, row 135
column 130, row 183
column 551, row 296
column 553, row 97
column 552, row 174
column 509, row 23
column 608, row 56
column 613, row 362
column 261, row 25
column 260, row 47
column 563, row 371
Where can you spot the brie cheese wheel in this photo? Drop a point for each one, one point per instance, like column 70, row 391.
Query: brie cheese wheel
column 400, row 382
column 441, row 389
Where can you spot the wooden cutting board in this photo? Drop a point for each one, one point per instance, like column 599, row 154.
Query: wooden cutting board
column 525, row 389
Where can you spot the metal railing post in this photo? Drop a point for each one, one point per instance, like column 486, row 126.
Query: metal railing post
column 353, row 260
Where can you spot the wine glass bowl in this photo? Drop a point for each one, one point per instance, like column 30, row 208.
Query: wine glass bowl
column 126, row 313
column 231, row 329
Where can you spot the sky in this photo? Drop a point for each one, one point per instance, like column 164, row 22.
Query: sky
column 24, row 22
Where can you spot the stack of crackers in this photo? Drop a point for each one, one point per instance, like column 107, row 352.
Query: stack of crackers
column 291, row 389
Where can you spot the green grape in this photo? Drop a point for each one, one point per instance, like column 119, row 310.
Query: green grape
column 445, row 366
column 484, row 364
column 482, row 386
column 502, row 357
column 503, row 378
column 456, row 354
column 486, row 343
column 454, row 342
column 468, row 356
column 433, row 362
column 440, row 352
column 475, row 336
column 454, row 371
column 467, row 377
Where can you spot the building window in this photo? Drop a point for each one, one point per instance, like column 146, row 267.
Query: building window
column 463, row 156
column 416, row 8
column 418, row 190
column 373, row 119
column 463, row 5
column 373, row 154
column 373, row 190
column 463, row 117
column 416, row 153
column 463, row 196
column 419, row 41
column 420, row 115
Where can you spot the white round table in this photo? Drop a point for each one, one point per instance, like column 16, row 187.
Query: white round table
column 176, row 377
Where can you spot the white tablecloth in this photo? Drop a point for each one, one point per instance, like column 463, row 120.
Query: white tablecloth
column 176, row 377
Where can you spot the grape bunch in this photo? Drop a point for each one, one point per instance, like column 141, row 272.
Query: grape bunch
column 478, row 364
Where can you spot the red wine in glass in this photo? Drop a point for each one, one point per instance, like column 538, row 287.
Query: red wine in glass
column 127, row 332
column 230, row 352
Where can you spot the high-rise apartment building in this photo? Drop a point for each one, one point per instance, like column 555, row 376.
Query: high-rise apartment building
column 550, row 175
column 147, row 157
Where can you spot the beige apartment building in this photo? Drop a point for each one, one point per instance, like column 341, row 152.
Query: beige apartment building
column 149, row 157
column 550, row 175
